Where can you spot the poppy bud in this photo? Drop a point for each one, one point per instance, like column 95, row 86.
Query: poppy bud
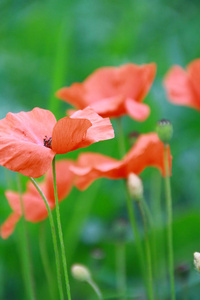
column 164, row 130
column 197, row 260
column 135, row 186
column 80, row 272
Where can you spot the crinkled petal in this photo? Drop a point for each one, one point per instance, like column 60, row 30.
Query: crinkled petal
column 21, row 142
column 34, row 206
column 148, row 151
column 110, row 107
column 91, row 166
column 138, row 111
column 180, row 89
column 111, row 83
column 74, row 95
column 129, row 80
column 69, row 134
column 100, row 130
column 8, row 227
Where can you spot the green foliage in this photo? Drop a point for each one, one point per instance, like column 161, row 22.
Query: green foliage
column 48, row 44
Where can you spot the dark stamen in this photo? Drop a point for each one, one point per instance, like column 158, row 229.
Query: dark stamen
column 47, row 142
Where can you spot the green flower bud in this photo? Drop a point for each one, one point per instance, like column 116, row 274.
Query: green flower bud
column 80, row 272
column 164, row 130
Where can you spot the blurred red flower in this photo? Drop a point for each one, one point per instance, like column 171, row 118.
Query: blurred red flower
column 182, row 86
column 147, row 151
column 34, row 206
column 30, row 140
column 113, row 91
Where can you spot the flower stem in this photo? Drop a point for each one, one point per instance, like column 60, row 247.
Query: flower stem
column 60, row 232
column 95, row 288
column 169, row 223
column 45, row 261
column 139, row 249
column 53, row 232
column 122, row 146
column 121, row 268
column 26, row 250
column 148, row 252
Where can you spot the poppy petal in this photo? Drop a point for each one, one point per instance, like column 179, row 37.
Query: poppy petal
column 129, row 80
column 100, row 130
column 8, row 226
column 138, row 111
column 110, row 107
column 148, row 151
column 34, row 206
column 69, row 134
column 91, row 166
column 179, row 88
column 114, row 84
column 73, row 95
column 22, row 142
column 194, row 74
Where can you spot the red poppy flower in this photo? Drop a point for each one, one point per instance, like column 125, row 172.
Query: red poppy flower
column 113, row 92
column 30, row 140
column 183, row 86
column 147, row 151
column 34, row 206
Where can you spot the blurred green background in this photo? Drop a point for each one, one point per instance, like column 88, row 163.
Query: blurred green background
column 45, row 45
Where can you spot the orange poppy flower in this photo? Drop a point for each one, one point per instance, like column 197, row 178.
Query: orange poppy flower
column 147, row 151
column 34, row 206
column 182, row 86
column 113, row 91
column 30, row 140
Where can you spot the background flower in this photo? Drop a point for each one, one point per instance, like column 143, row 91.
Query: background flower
column 34, row 206
column 182, row 86
column 113, row 91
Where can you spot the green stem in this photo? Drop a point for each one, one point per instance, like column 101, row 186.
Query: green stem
column 121, row 268
column 45, row 261
column 26, row 249
column 129, row 204
column 53, row 232
column 60, row 232
column 134, row 227
column 153, row 243
column 95, row 288
column 148, row 252
column 122, row 145
column 169, row 223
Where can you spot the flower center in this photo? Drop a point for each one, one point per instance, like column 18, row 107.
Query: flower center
column 47, row 142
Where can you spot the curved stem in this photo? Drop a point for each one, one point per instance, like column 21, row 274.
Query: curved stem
column 53, row 231
column 121, row 268
column 26, row 249
column 95, row 288
column 135, row 231
column 148, row 252
column 45, row 261
column 169, row 223
column 60, row 232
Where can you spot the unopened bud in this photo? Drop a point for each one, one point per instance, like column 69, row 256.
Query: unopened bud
column 197, row 260
column 135, row 186
column 164, row 130
column 80, row 272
